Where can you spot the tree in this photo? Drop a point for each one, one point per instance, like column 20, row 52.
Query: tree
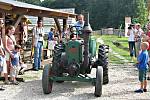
column 142, row 12
column 35, row 2
column 103, row 13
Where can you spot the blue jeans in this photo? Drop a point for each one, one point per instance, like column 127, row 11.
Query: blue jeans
column 37, row 55
column 132, row 48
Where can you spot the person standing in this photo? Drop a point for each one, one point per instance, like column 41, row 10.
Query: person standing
column 3, row 65
column 50, row 41
column 131, row 41
column 148, row 40
column 51, row 34
column 38, row 33
column 15, row 64
column 9, row 44
column 143, row 60
column 138, row 38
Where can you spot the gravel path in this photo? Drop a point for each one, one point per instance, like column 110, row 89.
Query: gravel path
column 123, row 81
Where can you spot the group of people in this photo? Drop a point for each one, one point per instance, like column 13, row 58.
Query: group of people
column 10, row 61
column 9, row 54
column 139, row 47
column 38, row 33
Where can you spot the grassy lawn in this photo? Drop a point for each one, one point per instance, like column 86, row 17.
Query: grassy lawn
column 108, row 39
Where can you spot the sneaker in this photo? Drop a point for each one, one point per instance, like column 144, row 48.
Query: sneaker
column 145, row 90
column 40, row 68
column 15, row 82
column 34, row 69
column 1, row 88
column 138, row 91
column 7, row 82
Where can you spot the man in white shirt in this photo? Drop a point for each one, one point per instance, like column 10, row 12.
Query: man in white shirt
column 38, row 33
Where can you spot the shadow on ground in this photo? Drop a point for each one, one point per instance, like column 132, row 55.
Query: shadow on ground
column 33, row 90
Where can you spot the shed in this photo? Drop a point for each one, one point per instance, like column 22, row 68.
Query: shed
column 20, row 9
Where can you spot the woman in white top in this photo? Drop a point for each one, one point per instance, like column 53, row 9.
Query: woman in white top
column 131, row 41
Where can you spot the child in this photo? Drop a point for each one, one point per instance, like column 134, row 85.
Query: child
column 51, row 45
column 143, row 60
column 15, row 63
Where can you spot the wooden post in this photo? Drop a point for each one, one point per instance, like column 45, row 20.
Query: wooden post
column 18, row 21
column 58, row 27
column 3, row 29
column 64, row 25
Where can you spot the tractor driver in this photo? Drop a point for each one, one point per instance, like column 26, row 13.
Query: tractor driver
column 80, row 22
column 79, row 25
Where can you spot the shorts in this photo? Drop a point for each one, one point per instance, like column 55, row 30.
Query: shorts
column 51, row 45
column 14, row 71
column 142, row 75
column 3, row 64
column 7, row 56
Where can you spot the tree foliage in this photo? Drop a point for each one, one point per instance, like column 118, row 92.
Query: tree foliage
column 142, row 12
column 35, row 2
column 103, row 13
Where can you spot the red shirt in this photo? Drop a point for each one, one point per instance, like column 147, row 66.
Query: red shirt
column 148, row 34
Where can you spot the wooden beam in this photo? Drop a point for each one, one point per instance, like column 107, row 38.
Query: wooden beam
column 41, row 13
column 18, row 21
column 6, row 7
column 64, row 25
column 58, row 27
column 34, row 12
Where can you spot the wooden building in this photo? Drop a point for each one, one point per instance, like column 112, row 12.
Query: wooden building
column 10, row 7
column 18, row 9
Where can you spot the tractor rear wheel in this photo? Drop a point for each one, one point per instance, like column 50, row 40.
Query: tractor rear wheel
column 99, row 81
column 47, row 83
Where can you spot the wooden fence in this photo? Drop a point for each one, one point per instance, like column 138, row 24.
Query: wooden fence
column 110, row 31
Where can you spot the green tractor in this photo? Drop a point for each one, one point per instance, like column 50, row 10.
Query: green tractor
column 74, row 60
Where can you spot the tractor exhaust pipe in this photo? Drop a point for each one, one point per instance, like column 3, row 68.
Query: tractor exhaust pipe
column 87, row 30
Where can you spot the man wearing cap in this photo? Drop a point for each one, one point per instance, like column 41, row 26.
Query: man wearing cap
column 138, row 37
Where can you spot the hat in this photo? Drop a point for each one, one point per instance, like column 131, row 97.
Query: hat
column 138, row 24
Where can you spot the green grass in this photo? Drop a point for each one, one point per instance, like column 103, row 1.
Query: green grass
column 108, row 39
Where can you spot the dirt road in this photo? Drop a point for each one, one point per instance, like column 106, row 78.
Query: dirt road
column 123, row 82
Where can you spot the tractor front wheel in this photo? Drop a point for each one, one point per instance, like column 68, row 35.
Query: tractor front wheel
column 99, row 81
column 46, row 82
